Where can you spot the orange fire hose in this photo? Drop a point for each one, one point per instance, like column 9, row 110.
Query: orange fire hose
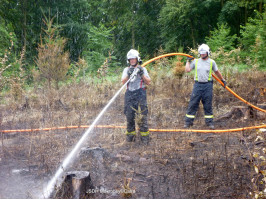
column 208, row 131
column 240, row 98
column 123, row 127
column 158, row 130
column 59, row 128
column 231, row 91
column 165, row 55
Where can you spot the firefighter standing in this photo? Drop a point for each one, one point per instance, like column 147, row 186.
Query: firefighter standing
column 203, row 87
column 135, row 97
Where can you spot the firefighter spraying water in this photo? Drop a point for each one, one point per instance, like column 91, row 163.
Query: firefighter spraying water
column 57, row 178
column 136, row 96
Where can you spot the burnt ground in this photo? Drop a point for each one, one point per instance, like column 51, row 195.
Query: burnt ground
column 173, row 165
column 175, row 168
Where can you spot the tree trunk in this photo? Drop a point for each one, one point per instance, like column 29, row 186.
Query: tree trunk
column 24, row 12
column 133, row 37
column 192, row 34
column 260, row 7
column 246, row 13
column 133, row 24
column 243, row 112
column 76, row 185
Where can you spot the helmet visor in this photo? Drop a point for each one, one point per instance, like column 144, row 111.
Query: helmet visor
column 131, row 57
column 203, row 52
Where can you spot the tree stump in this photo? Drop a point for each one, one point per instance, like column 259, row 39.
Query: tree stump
column 263, row 106
column 262, row 115
column 235, row 113
column 0, row 118
column 75, row 186
column 243, row 112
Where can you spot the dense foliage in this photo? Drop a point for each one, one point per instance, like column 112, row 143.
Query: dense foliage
column 98, row 30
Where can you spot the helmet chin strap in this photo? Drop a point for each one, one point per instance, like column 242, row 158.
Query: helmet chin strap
column 205, row 56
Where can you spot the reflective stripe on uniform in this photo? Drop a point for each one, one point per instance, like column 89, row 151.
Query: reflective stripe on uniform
column 131, row 133
column 208, row 116
column 210, row 74
column 144, row 133
column 196, row 70
column 190, row 116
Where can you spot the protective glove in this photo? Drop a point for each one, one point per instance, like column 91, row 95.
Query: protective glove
column 141, row 71
column 224, row 82
column 130, row 71
column 190, row 59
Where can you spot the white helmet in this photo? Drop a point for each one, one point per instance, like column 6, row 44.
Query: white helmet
column 133, row 54
column 203, row 49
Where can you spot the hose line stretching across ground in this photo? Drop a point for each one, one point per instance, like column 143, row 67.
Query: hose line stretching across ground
column 123, row 127
column 158, row 130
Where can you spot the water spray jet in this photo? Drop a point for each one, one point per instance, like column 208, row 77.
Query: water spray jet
column 57, row 178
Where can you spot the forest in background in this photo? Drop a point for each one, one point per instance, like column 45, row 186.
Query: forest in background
column 90, row 35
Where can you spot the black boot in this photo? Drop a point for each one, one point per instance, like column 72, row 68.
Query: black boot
column 145, row 139
column 130, row 138
column 211, row 126
column 188, row 125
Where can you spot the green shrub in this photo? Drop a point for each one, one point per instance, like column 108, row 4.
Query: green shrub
column 253, row 39
column 221, row 37
column 6, row 36
column 98, row 48
column 52, row 61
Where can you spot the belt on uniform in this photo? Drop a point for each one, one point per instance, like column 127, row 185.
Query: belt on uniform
column 203, row 82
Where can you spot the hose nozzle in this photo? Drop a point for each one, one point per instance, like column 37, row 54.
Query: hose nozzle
column 134, row 74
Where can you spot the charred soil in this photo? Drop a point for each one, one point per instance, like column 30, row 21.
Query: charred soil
column 173, row 165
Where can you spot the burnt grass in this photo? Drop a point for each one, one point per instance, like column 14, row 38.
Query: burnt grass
column 173, row 165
